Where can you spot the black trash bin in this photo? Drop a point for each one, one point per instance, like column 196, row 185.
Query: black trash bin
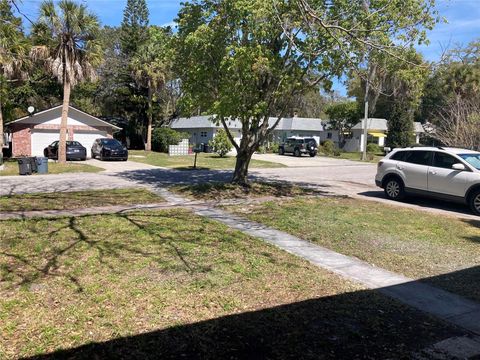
column 24, row 166
column 206, row 148
column 33, row 164
column 42, row 165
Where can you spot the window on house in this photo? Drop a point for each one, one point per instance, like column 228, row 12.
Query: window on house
column 203, row 134
column 329, row 135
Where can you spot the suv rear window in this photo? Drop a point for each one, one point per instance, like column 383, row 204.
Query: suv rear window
column 418, row 157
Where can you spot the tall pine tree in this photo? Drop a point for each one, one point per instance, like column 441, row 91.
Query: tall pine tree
column 400, row 126
column 134, row 26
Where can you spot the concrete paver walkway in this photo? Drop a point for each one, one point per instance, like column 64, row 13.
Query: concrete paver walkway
column 440, row 303
column 447, row 306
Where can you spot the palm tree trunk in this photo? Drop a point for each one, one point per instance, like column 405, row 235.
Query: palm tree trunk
column 148, row 146
column 62, row 146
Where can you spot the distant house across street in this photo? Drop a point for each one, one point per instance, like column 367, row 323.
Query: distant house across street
column 377, row 133
column 204, row 128
column 30, row 135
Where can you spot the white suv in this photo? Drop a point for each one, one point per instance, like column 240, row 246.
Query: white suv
column 446, row 173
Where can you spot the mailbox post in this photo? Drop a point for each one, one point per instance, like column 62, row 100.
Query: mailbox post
column 196, row 151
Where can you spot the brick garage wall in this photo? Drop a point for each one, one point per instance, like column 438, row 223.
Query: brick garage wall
column 21, row 139
column 22, row 135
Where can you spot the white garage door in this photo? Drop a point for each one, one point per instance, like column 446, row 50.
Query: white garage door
column 87, row 138
column 41, row 139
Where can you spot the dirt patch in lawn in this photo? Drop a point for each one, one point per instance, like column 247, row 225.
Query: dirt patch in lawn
column 414, row 243
column 222, row 191
column 76, row 200
column 169, row 284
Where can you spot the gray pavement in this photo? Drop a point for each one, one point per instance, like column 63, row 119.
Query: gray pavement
column 330, row 175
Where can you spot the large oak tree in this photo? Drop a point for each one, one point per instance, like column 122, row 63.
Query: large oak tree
column 247, row 59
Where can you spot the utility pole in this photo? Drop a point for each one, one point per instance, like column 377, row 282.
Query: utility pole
column 365, row 120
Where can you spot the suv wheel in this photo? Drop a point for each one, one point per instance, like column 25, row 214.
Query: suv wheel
column 296, row 152
column 394, row 189
column 281, row 151
column 313, row 153
column 474, row 202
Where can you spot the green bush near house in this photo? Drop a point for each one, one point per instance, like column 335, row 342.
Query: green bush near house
column 274, row 147
column 163, row 137
column 373, row 149
column 328, row 147
column 221, row 144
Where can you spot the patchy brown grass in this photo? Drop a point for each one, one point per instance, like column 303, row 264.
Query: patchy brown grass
column 223, row 191
column 414, row 243
column 169, row 284
column 76, row 199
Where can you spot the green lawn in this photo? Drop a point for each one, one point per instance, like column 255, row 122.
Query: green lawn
column 416, row 244
column 169, row 284
column 219, row 191
column 11, row 168
column 205, row 161
column 77, row 199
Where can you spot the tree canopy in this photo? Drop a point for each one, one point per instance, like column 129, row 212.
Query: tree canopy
column 248, row 59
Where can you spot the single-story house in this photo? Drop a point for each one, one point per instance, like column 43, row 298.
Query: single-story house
column 377, row 132
column 30, row 135
column 202, row 129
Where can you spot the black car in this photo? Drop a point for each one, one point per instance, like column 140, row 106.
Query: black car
column 298, row 146
column 109, row 149
column 75, row 151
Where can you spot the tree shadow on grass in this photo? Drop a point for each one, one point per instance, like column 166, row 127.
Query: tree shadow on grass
column 33, row 267
column 356, row 325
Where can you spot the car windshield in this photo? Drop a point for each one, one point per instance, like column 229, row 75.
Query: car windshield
column 473, row 159
column 73, row 143
column 110, row 142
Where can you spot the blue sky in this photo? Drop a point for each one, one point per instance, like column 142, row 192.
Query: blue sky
column 463, row 18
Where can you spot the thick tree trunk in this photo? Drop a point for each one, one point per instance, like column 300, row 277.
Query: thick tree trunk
column 148, row 145
column 62, row 145
column 240, row 175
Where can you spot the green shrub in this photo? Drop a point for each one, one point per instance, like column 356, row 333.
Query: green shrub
column 274, row 147
column 328, row 147
column 221, row 143
column 262, row 149
column 163, row 137
column 336, row 152
column 373, row 149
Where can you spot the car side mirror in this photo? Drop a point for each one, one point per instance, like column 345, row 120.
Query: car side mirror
column 459, row 167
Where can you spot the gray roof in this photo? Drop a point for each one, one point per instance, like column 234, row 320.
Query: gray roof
column 207, row 121
column 373, row 124
column 41, row 116
column 381, row 124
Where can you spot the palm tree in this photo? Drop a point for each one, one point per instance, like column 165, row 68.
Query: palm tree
column 13, row 54
column 66, row 40
column 151, row 69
